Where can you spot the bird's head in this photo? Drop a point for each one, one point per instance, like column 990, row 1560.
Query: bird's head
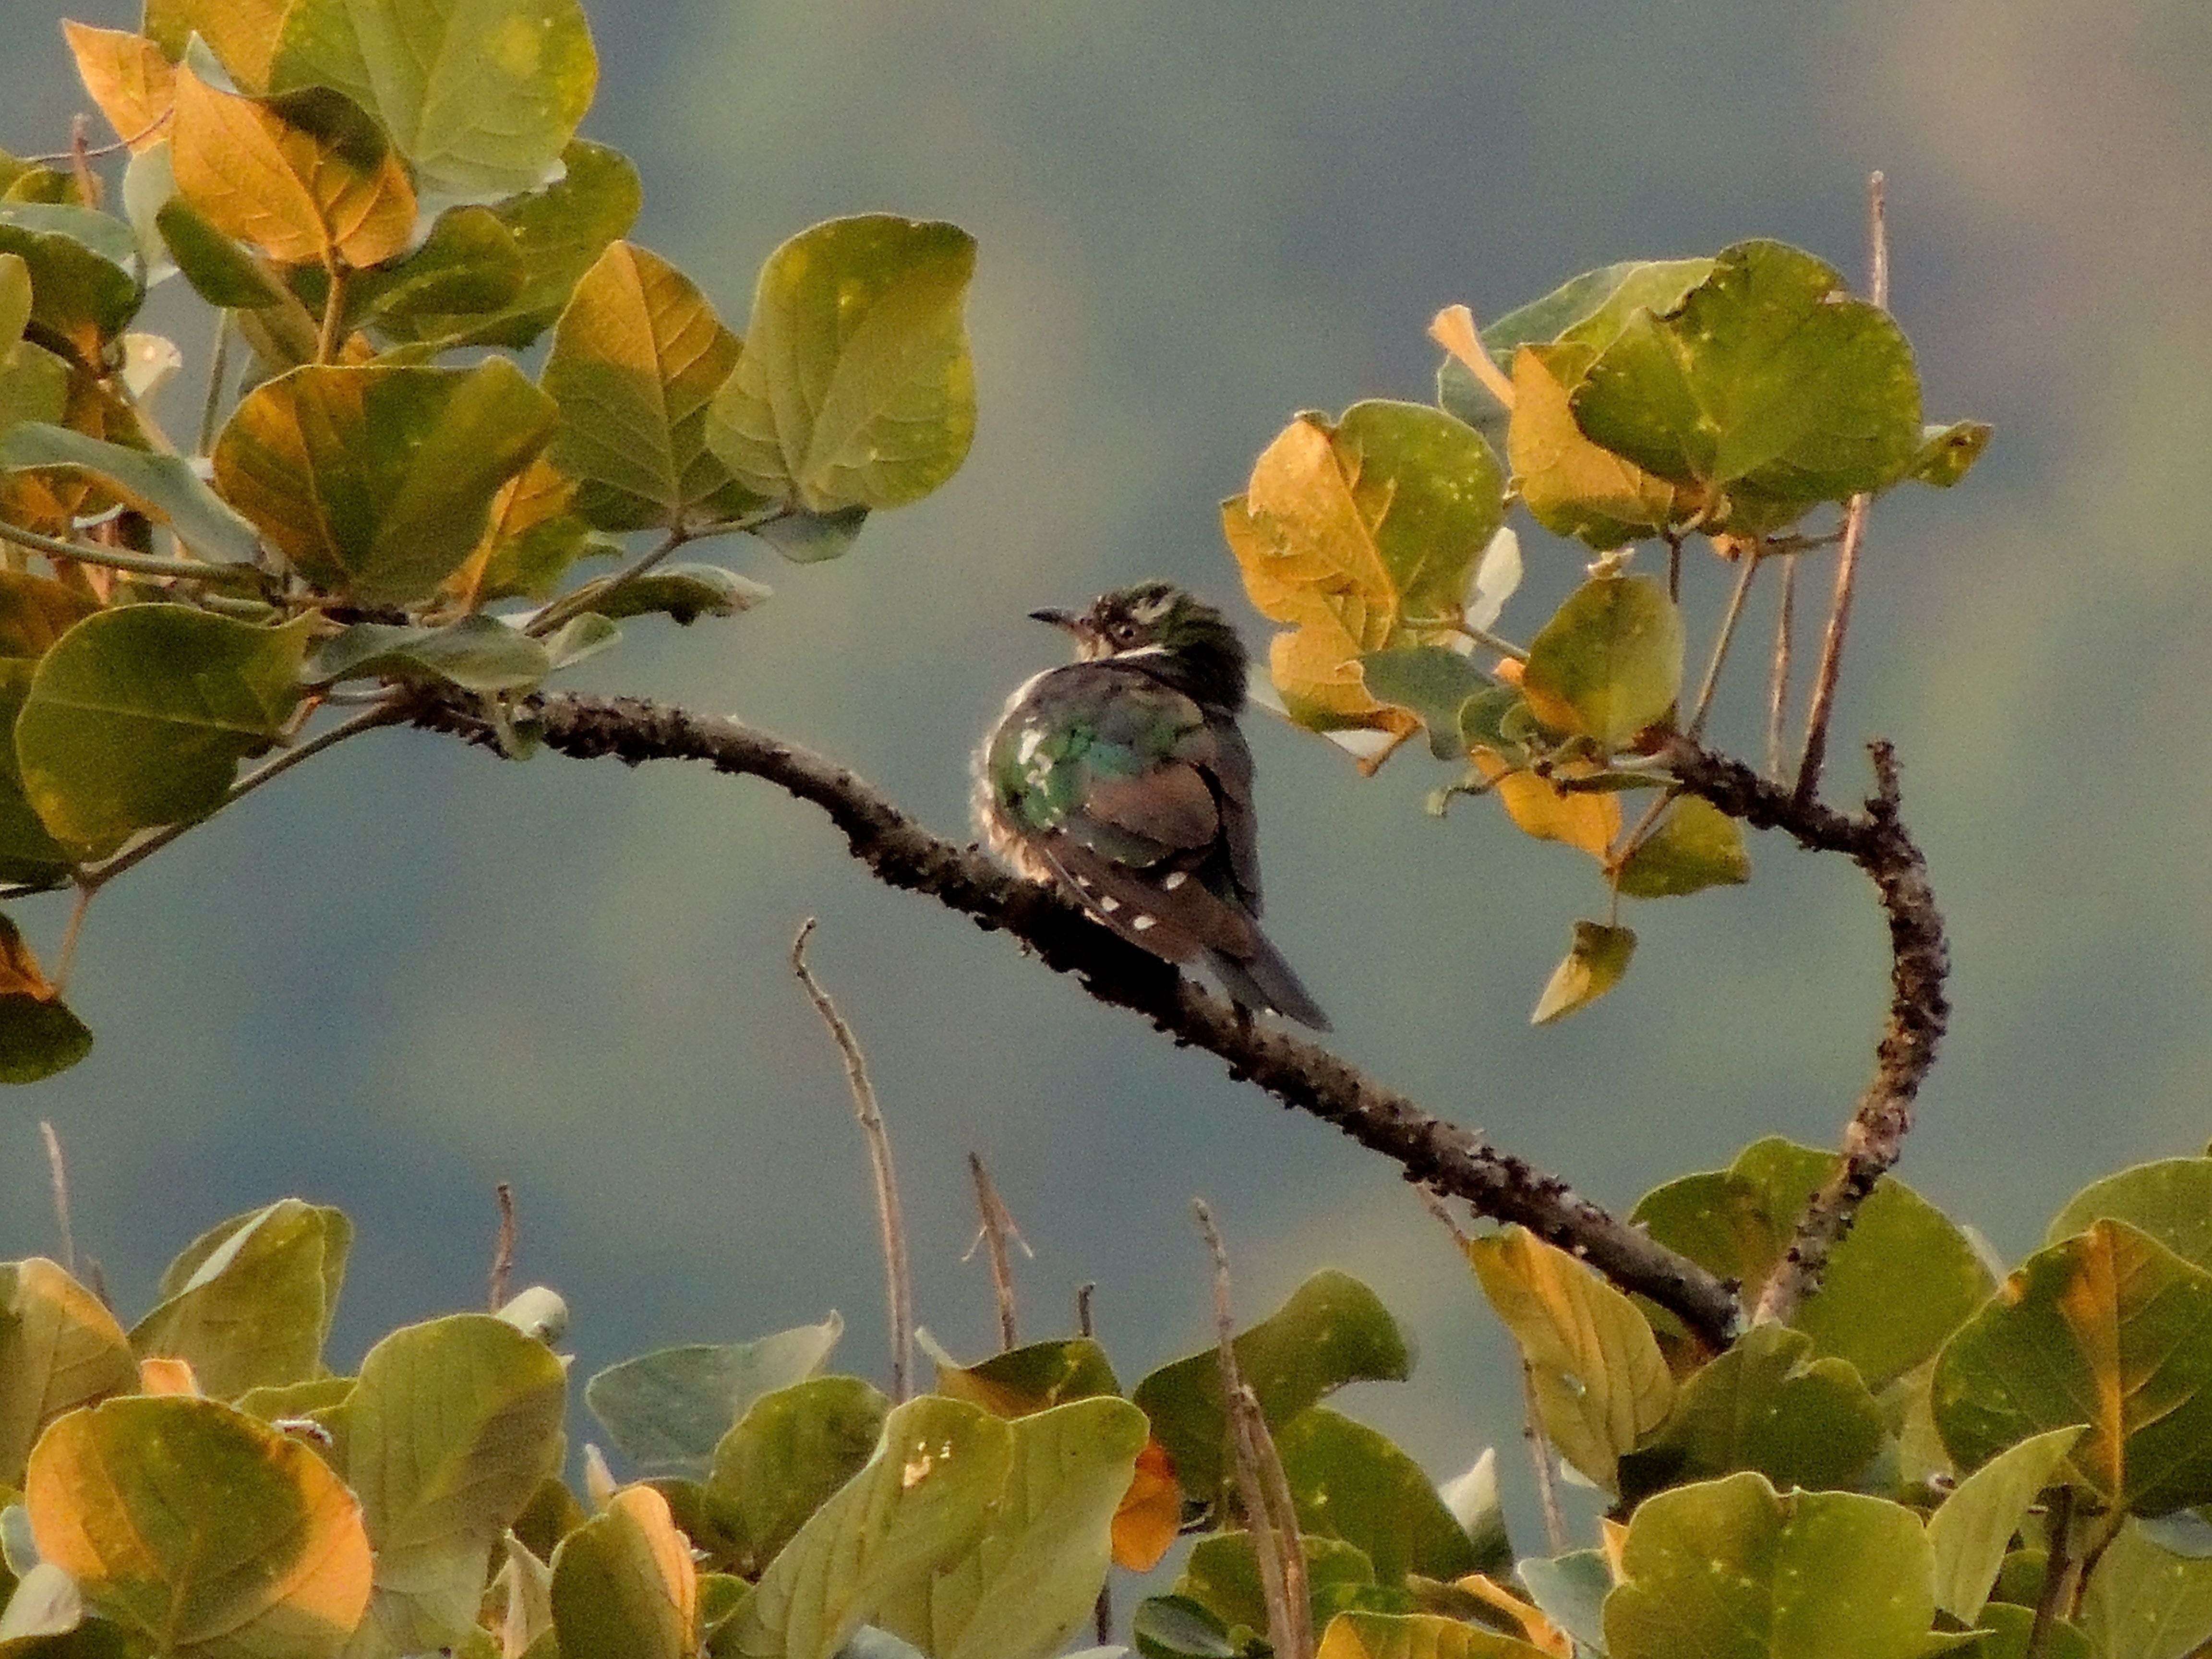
column 1179, row 639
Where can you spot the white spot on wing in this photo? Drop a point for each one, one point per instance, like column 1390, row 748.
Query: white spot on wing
column 1176, row 878
column 1108, row 902
column 1031, row 738
column 1142, row 922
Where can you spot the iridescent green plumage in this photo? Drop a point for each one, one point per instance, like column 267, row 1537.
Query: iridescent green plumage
column 1123, row 778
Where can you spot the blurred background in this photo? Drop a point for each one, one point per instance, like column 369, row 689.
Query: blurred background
column 411, row 971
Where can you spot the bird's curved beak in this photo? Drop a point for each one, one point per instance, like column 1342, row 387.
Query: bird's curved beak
column 1064, row 620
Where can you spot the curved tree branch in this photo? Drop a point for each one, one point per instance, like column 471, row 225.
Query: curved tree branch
column 1878, row 842
column 1301, row 1074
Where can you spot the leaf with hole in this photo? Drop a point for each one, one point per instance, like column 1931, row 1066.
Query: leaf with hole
column 856, row 388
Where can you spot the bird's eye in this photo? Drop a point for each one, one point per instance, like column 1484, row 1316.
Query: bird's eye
column 1123, row 633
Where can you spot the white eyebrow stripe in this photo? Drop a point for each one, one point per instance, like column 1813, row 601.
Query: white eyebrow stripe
column 1143, row 651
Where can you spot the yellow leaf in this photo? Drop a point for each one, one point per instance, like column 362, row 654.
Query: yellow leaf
column 539, row 495
column 1596, row 962
column 1600, row 1381
column 1587, row 820
column 259, row 177
column 160, row 1376
column 1541, row 1631
column 1572, row 487
column 1151, row 1512
column 242, row 34
column 127, row 78
column 671, row 1551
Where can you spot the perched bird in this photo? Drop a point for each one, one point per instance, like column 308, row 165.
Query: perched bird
column 1123, row 778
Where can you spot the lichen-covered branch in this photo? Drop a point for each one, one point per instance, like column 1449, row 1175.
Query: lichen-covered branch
column 1878, row 842
column 1302, row 1074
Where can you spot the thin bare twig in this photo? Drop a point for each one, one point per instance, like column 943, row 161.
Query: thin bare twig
column 1847, row 558
column 1102, row 1613
column 1540, row 1454
column 136, row 564
column 1270, row 1517
column 990, row 1237
column 1433, row 1202
column 328, row 334
column 57, row 1179
column 1777, row 686
column 1302, row 1074
column 892, row 1220
column 66, row 958
column 1749, row 558
column 502, row 1257
column 94, row 153
column 1083, row 1292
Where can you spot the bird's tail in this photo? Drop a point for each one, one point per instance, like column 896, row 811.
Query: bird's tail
column 1264, row 979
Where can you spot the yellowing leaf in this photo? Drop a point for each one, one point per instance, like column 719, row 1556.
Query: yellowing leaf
column 532, row 539
column 1572, row 487
column 1595, row 963
column 241, row 33
column 306, row 179
column 1693, row 846
column 38, row 1034
column 167, row 1377
column 1416, row 1635
column 60, row 1348
column 1587, row 820
column 1601, row 1384
column 127, row 1497
column 1362, row 536
column 1541, row 1631
column 624, row 1583
column 128, row 78
column 1151, row 1512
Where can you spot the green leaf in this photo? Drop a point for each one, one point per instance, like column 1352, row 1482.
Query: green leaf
column 249, row 1303
column 224, row 273
column 379, row 481
column 813, row 538
column 1600, row 1382
column 1333, row 1330
column 1609, row 662
column 637, row 357
column 790, row 1451
column 451, row 1427
column 1948, row 453
column 667, row 1411
column 139, row 716
column 16, row 297
column 1729, row 1571
column 1591, row 309
column 470, row 265
column 2109, row 1328
column 81, row 265
column 684, row 592
column 1028, row 1379
column 1222, row 1575
column 477, row 654
column 34, row 385
column 1766, row 382
column 580, row 638
column 28, row 853
column 1176, row 1628
column 1433, row 683
column 1596, row 961
column 1348, row 1481
column 127, row 1498
column 1693, row 846
column 856, row 388
column 2008, row 1628
column 60, row 1348
column 560, row 232
column 1972, row 1527
column 922, row 1503
column 2171, row 1201
column 1415, row 1635
column 1033, row 1577
column 38, row 1034
column 2141, row 1602
column 625, row 1586
column 1902, row 1281
column 480, row 95
column 1769, row 1405
column 164, row 488
column 1570, row 1591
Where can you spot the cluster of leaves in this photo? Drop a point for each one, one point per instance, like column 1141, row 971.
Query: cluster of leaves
column 1728, row 397
column 385, row 203
column 1921, row 1458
